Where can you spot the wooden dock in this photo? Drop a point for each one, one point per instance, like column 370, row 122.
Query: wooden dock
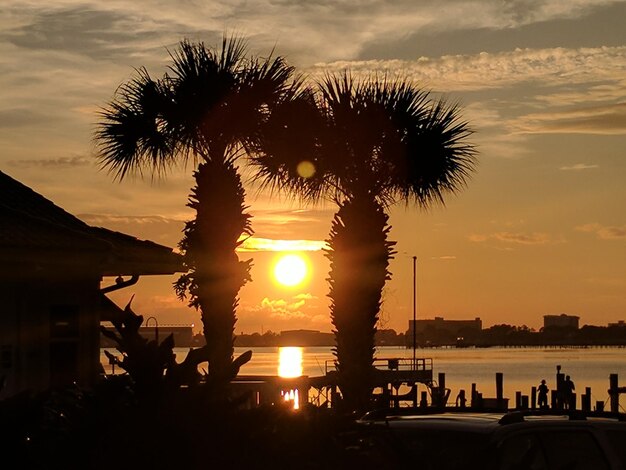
column 390, row 374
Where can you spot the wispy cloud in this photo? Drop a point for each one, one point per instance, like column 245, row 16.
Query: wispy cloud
column 301, row 307
column 61, row 162
column 109, row 219
column 545, row 67
column 518, row 238
column 272, row 312
column 604, row 120
column 578, row 167
column 604, row 232
column 163, row 230
column 252, row 244
column 288, row 224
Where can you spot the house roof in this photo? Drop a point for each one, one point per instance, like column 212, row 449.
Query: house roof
column 36, row 233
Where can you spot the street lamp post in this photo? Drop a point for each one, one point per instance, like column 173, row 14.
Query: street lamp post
column 156, row 328
column 414, row 307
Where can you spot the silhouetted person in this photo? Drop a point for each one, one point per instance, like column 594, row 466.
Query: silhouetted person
column 568, row 393
column 542, row 396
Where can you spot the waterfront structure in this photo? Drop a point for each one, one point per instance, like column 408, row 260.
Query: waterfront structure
column 560, row 321
column 305, row 338
column 52, row 265
column 453, row 327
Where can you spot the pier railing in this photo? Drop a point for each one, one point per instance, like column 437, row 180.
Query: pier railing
column 401, row 364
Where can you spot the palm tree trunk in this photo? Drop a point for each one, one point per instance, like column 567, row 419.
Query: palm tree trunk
column 215, row 273
column 359, row 256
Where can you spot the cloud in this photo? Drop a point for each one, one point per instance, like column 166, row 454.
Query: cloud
column 109, row 219
column 281, row 307
column 304, row 29
column 305, row 296
column 604, row 232
column 82, row 30
column 298, row 306
column 603, row 120
column 285, row 224
column 299, row 311
column 61, row 162
column 592, row 93
column 253, row 244
column 545, row 67
column 17, row 117
column 163, row 230
column 518, row 238
column 578, row 167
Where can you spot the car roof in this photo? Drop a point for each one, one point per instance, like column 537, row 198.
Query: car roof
column 477, row 421
column 466, row 421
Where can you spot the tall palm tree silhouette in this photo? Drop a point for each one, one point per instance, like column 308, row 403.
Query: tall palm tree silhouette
column 206, row 106
column 365, row 145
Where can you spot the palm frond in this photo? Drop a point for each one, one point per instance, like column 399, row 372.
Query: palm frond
column 440, row 160
column 133, row 134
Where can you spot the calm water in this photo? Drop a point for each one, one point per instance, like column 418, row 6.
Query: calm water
column 522, row 367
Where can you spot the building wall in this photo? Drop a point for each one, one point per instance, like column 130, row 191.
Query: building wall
column 48, row 334
column 562, row 320
column 453, row 326
column 305, row 338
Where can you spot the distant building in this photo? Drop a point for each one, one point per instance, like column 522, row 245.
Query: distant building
column 620, row 323
column 439, row 323
column 305, row 338
column 560, row 321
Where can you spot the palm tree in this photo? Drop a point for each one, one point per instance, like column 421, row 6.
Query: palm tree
column 372, row 143
column 203, row 109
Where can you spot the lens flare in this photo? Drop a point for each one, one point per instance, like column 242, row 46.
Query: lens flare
column 306, row 169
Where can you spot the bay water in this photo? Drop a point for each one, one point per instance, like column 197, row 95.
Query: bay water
column 522, row 368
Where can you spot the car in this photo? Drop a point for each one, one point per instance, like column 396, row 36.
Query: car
column 516, row 440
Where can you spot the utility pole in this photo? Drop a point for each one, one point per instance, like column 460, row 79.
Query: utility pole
column 414, row 307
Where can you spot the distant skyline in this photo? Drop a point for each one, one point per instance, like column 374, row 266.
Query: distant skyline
column 540, row 229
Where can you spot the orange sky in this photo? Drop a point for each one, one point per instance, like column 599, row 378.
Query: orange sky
column 541, row 228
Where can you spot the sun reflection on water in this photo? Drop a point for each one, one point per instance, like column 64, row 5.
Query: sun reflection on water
column 290, row 361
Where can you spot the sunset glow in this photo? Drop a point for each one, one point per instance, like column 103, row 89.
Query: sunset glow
column 539, row 229
column 290, row 270
column 268, row 244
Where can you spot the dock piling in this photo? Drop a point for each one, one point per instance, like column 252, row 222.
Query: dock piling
column 614, row 392
column 499, row 386
column 585, row 400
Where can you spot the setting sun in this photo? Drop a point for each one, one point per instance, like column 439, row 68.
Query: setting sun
column 290, row 269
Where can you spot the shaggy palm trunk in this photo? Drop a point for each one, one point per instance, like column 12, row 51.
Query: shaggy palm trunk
column 359, row 255
column 215, row 273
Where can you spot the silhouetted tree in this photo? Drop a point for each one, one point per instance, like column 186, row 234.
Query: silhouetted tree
column 365, row 145
column 207, row 104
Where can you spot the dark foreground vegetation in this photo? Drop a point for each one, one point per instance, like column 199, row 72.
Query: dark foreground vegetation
column 109, row 427
column 162, row 414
